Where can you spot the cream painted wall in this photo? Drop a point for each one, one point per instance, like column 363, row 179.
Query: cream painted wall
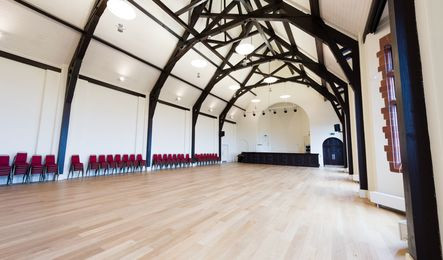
column 171, row 130
column 29, row 109
column 229, row 143
column 104, row 121
column 206, row 135
column 385, row 187
column 429, row 21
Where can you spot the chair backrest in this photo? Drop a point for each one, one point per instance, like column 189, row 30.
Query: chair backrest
column 75, row 159
column 140, row 157
column 174, row 156
column 36, row 160
column 125, row 157
column 21, row 158
column 4, row 160
column 132, row 157
column 187, row 156
column 118, row 158
column 50, row 159
column 109, row 158
column 165, row 156
column 101, row 158
column 92, row 158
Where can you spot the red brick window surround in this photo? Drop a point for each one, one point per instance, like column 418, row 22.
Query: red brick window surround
column 389, row 111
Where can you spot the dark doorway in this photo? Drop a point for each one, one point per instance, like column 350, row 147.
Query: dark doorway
column 333, row 152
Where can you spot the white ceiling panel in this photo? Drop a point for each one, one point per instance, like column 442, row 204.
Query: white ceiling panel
column 214, row 104
column 222, row 89
column 142, row 37
column 174, row 88
column 75, row 12
column 30, row 34
column 106, row 64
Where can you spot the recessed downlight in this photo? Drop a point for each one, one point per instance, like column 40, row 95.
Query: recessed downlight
column 122, row 9
column 234, row 87
column 255, row 100
column 270, row 80
column 121, row 79
column 244, row 48
column 198, row 63
column 285, row 96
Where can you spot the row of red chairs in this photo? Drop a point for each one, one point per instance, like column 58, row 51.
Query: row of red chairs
column 169, row 160
column 107, row 164
column 20, row 166
column 206, row 158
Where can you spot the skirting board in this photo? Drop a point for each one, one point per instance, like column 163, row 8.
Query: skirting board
column 387, row 200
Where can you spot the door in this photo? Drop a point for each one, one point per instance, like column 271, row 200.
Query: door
column 333, row 152
column 225, row 153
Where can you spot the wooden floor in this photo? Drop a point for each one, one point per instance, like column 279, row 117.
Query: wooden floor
column 239, row 211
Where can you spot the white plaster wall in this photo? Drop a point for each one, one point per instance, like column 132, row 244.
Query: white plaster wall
column 429, row 21
column 320, row 114
column 171, row 130
column 229, row 142
column 103, row 121
column 381, row 180
column 206, row 135
column 29, row 109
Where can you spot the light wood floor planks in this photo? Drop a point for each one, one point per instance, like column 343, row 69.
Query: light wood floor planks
column 239, row 211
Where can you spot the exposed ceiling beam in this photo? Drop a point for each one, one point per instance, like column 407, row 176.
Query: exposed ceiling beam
column 190, row 7
column 375, row 13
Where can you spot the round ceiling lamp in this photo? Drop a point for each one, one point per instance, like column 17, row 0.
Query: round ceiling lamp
column 199, row 63
column 234, row 87
column 122, row 9
column 270, row 80
column 244, row 48
column 285, row 96
column 255, row 100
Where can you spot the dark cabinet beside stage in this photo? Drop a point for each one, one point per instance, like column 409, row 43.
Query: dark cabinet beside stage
column 293, row 159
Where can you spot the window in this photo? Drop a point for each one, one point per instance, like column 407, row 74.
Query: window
column 389, row 111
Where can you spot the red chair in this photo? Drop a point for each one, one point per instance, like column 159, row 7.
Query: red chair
column 132, row 162
column 93, row 165
column 36, row 167
column 174, row 160
column 188, row 159
column 142, row 163
column 76, row 166
column 102, row 164
column 125, row 160
column 20, row 166
column 51, row 166
column 182, row 160
column 120, row 164
column 155, row 160
column 5, row 168
column 164, row 160
column 112, row 165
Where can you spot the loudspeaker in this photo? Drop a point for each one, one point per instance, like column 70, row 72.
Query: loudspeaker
column 337, row 127
column 222, row 133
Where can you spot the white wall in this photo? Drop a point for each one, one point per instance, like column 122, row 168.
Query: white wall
column 171, row 130
column 229, row 143
column 29, row 109
column 206, row 135
column 385, row 187
column 429, row 21
column 104, row 121
column 320, row 115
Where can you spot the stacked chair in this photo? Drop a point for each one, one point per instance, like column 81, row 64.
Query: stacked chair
column 5, row 168
column 76, row 166
column 164, row 161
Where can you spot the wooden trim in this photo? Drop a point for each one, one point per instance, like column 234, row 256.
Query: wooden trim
column 207, row 115
column 173, row 105
column 27, row 61
column 110, row 86
column 229, row 121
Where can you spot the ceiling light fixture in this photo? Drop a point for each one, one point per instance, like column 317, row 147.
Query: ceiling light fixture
column 255, row 100
column 244, row 48
column 270, row 80
column 121, row 79
column 122, row 9
column 234, row 87
column 198, row 63
column 120, row 28
column 211, row 109
column 285, row 96
column 178, row 98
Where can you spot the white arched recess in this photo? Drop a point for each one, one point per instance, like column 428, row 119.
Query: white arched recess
column 320, row 113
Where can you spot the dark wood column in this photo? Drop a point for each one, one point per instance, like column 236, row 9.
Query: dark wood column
column 418, row 178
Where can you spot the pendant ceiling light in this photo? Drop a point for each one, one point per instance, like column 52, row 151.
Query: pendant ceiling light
column 122, row 9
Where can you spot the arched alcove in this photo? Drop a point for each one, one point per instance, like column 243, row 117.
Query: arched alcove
column 333, row 152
